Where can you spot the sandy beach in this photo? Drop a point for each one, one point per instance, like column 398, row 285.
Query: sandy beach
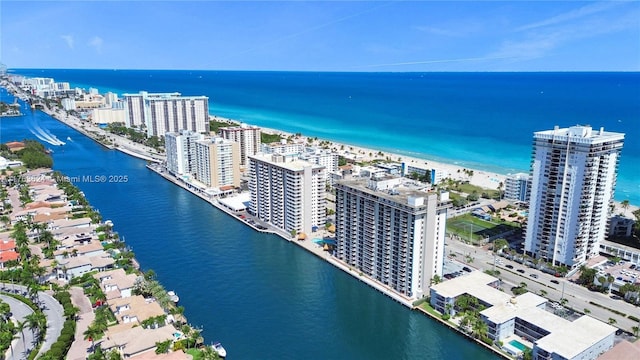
column 484, row 179
column 488, row 180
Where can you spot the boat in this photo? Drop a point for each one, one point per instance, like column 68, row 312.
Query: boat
column 173, row 296
column 219, row 349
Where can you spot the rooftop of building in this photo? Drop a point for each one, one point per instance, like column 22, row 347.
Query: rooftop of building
column 583, row 332
column 525, row 305
column 285, row 162
column 580, row 132
column 393, row 188
column 475, row 284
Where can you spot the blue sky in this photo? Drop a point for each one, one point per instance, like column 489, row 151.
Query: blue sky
column 322, row 35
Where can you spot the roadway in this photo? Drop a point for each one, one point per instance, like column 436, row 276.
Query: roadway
column 51, row 308
column 578, row 297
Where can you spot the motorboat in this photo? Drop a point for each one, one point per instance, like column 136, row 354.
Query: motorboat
column 173, row 296
column 219, row 349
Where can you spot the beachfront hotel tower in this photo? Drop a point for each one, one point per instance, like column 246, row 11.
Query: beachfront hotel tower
column 247, row 136
column 180, row 148
column 573, row 176
column 287, row 193
column 160, row 113
column 391, row 232
column 217, row 162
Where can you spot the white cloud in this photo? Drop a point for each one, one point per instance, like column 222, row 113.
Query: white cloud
column 437, row 61
column 96, row 42
column 68, row 39
column 437, row 31
column 541, row 38
column 571, row 15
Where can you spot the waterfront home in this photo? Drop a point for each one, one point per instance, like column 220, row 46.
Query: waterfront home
column 135, row 341
column 116, row 283
column 71, row 237
column 524, row 321
column 71, row 267
column 48, row 194
column 70, row 223
column 135, row 309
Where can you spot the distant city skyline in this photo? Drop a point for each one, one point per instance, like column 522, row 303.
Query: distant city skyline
column 322, row 36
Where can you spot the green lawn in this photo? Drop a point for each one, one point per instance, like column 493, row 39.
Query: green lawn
column 467, row 225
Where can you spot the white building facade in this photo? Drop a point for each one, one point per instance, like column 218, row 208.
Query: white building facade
column 248, row 137
column 166, row 112
column 516, row 187
column 287, row 193
column 573, row 176
column 180, row 148
column 392, row 235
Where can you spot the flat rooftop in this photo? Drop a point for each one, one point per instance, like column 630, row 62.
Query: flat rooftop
column 583, row 332
column 476, row 284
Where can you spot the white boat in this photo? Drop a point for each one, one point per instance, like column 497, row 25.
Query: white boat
column 172, row 295
column 219, row 349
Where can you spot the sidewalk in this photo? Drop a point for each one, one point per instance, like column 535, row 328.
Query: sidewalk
column 80, row 347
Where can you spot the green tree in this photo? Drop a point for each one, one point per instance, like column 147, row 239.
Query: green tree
column 92, row 334
column 162, row 347
column 500, row 244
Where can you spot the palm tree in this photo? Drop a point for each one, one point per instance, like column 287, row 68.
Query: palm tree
column 587, row 311
column 435, row 280
column 36, row 320
column 635, row 330
column 612, row 321
column 5, row 220
column 92, row 333
column 480, row 328
column 625, row 204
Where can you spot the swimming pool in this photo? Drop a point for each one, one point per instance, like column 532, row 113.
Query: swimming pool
column 518, row 345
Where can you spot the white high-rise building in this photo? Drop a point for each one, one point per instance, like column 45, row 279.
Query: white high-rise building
column 390, row 232
column 111, row 99
column 218, row 162
column 167, row 112
column 282, row 147
column 180, row 148
column 247, row 136
column 516, row 187
column 287, row 193
column 573, row 179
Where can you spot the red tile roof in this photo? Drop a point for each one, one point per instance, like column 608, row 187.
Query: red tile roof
column 7, row 245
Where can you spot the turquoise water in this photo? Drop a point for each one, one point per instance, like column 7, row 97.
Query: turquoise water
column 477, row 120
column 260, row 296
column 518, row 345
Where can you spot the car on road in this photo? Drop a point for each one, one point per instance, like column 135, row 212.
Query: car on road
column 535, row 276
column 521, row 271
column 466, row 269
column 509, row 266
column 555, row 281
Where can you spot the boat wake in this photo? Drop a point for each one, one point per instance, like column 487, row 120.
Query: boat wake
column 43, row 134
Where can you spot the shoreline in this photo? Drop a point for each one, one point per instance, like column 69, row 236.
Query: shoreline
column 309, row 246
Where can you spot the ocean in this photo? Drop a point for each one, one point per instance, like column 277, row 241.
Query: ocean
column 482, row 121
column 261, row 296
